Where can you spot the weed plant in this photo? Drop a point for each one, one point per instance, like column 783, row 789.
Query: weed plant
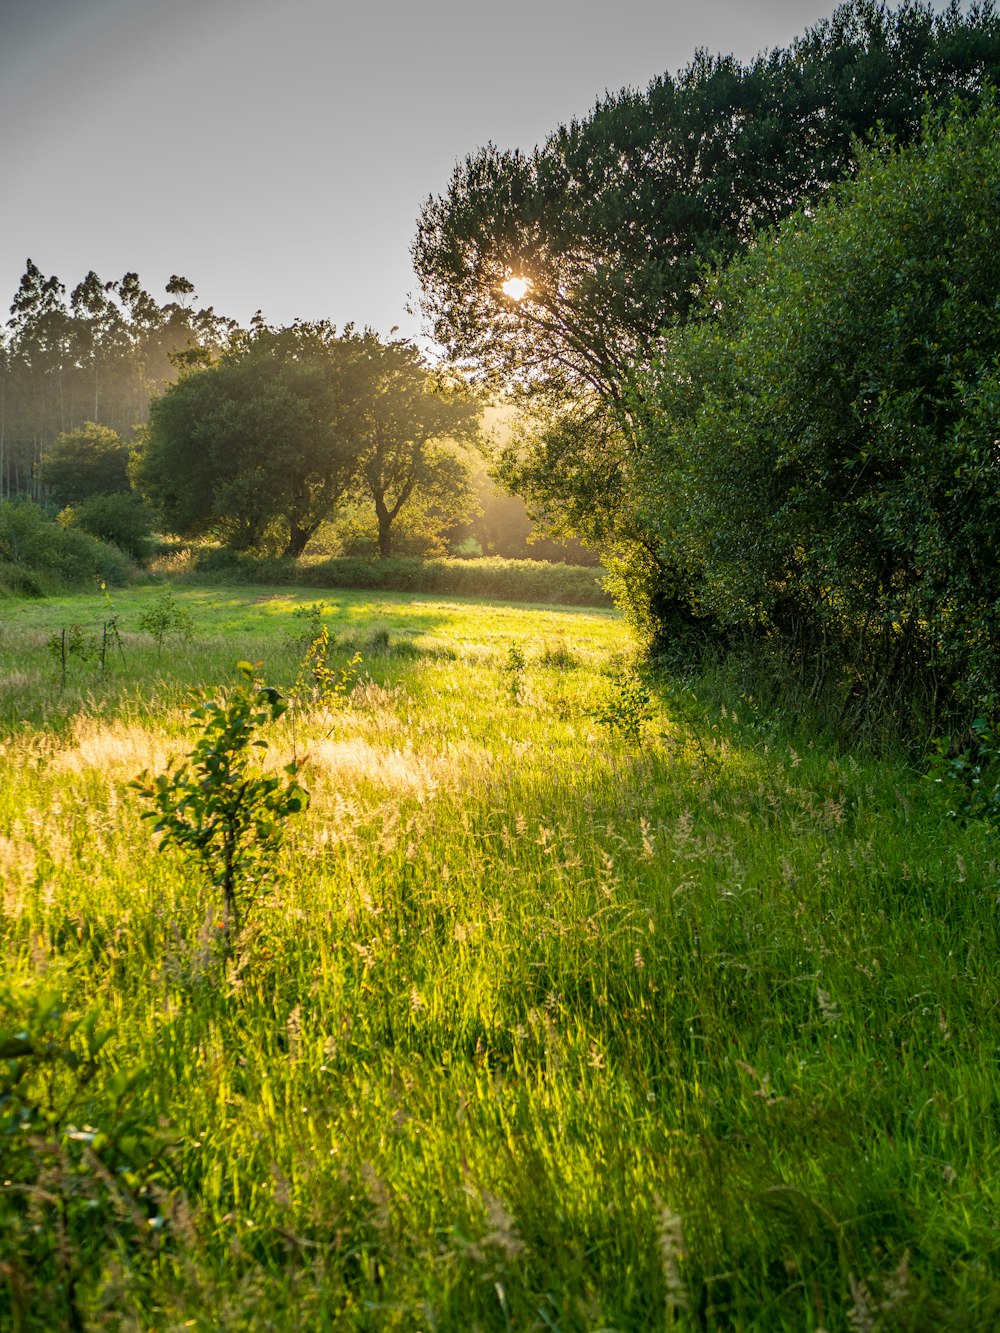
column 538, row 1027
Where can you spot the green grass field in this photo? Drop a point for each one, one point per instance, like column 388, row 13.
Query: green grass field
column 540, row 1026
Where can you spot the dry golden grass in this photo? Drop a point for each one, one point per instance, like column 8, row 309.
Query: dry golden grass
column 112, row 747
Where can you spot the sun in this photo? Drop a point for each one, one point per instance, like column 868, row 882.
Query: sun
column 515, row 288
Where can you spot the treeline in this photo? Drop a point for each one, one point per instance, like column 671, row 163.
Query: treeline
column 762, row 355
column 98, row 354
column 126, row 413
column 265, row 445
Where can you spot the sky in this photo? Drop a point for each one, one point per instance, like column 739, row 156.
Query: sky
column 277, row 152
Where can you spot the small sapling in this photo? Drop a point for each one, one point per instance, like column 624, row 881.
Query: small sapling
column 219, row 809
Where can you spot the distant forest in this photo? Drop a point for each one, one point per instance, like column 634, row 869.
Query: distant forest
column 99, row 354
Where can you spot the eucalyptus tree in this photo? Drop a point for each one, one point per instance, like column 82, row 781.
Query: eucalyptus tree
column 92, row 358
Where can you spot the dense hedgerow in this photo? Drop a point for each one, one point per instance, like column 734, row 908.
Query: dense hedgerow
column 819, row 449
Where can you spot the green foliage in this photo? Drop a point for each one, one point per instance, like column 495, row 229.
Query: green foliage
column 216, row 808
column 627, row 709
column 491, row 577
column 38, row 555
column 818, row 449
column 611, row 220
column 334, row 683
column 76, row 1160
column 166, row 618
column 70, row 643
column 970, row 777
column 311, row 617
column 558, row 655
column 83, row 463
column 121, row 519
column 318, row 676
column 76, row 375
column 259, row 448
column 514, row 669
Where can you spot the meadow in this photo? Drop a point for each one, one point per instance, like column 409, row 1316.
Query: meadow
column 582, row 999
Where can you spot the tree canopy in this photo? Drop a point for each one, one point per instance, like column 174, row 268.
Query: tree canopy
column 612, row 220
column 818, row 449
column 97, row 356
column 406, row 427
column 91, row 460
column 266, row 441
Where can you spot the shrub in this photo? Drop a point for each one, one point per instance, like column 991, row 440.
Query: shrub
column 38, row 555
column 120, row 518
column 216, row 808
column 86, row 462
column 489, row 578
column 166, row 618
column 819, row 450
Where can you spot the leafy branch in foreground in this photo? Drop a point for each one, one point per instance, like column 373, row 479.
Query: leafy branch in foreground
column 215, row 807
column 971, row 777
column 78, row 1163
column 627, row 708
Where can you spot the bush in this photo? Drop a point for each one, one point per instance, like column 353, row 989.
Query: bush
column 90, row 461
column 120, row 518
column 39, row 555
column 819, row 448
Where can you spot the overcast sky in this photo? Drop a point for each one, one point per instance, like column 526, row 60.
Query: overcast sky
column 277, row 152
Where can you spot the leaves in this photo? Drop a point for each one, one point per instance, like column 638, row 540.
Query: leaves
column 817, row 447
column 215, row 806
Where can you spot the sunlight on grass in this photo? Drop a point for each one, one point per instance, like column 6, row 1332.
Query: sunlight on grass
column 696, row 1020
column 115, row 747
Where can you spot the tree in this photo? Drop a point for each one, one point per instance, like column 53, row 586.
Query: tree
column 405, row 426
column 95, row 358
column 263, row 438
column 819, row 448
column 611, row 220
column 271, row 437
column 120, row 518
column 92, row 460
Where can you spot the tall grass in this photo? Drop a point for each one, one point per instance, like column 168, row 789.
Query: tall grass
column 542, row 1027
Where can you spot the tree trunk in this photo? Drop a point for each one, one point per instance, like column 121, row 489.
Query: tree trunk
column 385, row 516
column 298, row 538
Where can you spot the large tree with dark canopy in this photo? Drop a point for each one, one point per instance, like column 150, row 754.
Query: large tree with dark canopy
column 612, row 219
column 262, row 439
